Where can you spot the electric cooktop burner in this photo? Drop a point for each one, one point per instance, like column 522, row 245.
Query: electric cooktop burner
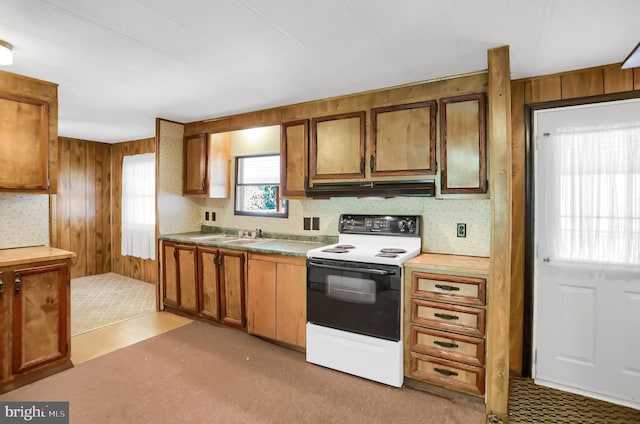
column 386, row 255
column 345, row 246
column 335, row 250
column 392, row 250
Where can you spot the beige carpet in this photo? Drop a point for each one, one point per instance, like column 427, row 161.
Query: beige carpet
column 105, row 299
column 201, row 373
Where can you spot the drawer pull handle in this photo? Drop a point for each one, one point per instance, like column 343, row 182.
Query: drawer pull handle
column 446, row 316
column 448, row 373
column 447, row 287
column 445, row 344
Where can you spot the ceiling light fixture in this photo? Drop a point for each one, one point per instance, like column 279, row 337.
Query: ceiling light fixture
column 6, row 53
column 633, row 60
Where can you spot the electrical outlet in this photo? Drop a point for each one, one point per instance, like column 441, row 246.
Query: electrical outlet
column 206, row 216
column 213, row 216
column 315, row 223
column 462, row 230
column 307, row 223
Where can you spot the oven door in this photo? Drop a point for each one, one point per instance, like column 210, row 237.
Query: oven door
column 357, row 297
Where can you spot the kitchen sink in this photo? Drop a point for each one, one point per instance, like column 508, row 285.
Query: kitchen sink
column 245, row 241
column 214, row 237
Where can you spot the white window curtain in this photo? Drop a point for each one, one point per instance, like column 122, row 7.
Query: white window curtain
column 592, row 200
column 138, row 206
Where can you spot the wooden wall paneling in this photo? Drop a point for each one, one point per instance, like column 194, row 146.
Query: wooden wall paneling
column 543, row 89
column 90, row 205
column 583, row 84
column 98, row 207
column 518, row 176
column 106, row 208
column 616, row 79
column 498, row 303
column 77, row 206
column 64, row 230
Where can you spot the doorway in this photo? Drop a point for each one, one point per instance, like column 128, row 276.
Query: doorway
column 586, row 250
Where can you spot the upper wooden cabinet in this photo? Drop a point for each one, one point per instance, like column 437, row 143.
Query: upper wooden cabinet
column 24, row 143
column 463, row 144
column 404, row 139
column 294, row 139
column 337, row 146
column 195, row 164
column 206, row 159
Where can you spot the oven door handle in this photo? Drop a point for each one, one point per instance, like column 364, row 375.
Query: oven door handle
column 352, row 269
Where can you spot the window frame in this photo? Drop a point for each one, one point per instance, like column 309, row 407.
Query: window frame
column 278, row 186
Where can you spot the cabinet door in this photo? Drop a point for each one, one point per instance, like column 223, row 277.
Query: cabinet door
column 294, row 139
column 24, row 143
column 40, row 320
column 404, row 139
column 231, row 270
column 218, row 166
column 291, row 304
column 187, row 278
column 463, row 144
column 195, row 164
column 337, row 148
column 261, row 301
column 170, row 287
column 208, row 283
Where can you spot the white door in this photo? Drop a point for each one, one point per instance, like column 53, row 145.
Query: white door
column 587, row 250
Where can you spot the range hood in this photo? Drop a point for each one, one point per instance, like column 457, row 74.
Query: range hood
column 424, row 188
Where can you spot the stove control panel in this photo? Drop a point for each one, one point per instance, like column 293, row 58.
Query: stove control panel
column 392, row 225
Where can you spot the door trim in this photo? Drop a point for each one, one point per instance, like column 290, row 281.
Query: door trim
column 529, row 247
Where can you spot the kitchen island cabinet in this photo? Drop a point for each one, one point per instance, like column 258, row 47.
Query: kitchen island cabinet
column 34, row 314
column 444, row 321
column 277, row 298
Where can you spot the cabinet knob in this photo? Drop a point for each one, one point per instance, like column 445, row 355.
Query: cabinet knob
column 1, row 286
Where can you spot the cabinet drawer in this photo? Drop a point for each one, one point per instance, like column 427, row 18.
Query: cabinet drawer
column 461, row 319
column 457, row 376
column 449, row 288
column 447, row 345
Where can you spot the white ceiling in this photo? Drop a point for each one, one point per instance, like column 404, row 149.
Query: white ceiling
column 122, row 63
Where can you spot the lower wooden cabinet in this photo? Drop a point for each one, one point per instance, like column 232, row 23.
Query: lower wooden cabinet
column 277, row 298
column 35, row 321
column 179, row 270
column 444, row 326
column 205, row 282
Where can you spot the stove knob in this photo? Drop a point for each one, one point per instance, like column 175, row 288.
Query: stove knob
column 403, row 226
column 411, row 224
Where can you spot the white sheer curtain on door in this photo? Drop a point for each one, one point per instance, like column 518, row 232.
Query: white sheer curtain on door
column 138, row 206
column 592, row 200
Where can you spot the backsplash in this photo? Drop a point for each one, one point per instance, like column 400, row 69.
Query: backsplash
column 24, row 220
column 440, row 217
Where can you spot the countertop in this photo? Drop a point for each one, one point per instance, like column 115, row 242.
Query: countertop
column 24, row 255
column 277, row 246
column 473, row 264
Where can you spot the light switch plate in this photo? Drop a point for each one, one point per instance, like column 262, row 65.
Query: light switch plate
column 307, row 223
column 315, row 223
